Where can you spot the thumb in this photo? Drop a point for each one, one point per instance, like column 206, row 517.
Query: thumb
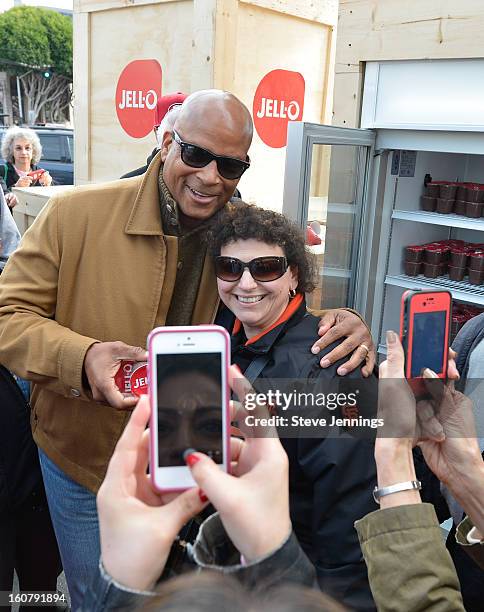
column 395, row 367
column 215, row 483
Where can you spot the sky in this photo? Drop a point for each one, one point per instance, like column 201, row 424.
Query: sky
column 62, row 4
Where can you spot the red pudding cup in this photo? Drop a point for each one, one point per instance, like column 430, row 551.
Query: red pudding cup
column 458, row 257
column 457, row 273
column 476, row 277
column 447, row 191
column 412, row 268
column 432, row 270
column 132, row 377
column 476, row 260
column 427, row 203
column 436, row 253
column 474, row 209
column 414, row 252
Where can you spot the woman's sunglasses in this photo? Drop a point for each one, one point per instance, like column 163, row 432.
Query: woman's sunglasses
column 262, row 269
column 194, row 156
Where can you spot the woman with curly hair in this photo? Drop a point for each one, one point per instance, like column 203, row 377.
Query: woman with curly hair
column 263, row 272
column 21, row 149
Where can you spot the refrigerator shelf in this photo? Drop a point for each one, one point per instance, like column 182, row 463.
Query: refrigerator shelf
column 462, row 291
column 437, row 219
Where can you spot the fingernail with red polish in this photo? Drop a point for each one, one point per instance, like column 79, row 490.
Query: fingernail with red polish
column 189, row 457
column 202, row 496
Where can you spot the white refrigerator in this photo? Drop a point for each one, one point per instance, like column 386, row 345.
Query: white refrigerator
column 359, row 190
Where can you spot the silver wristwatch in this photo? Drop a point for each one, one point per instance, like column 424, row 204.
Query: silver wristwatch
column 396, row 488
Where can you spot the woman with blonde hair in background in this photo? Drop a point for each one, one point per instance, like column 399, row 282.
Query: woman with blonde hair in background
column 21, row 150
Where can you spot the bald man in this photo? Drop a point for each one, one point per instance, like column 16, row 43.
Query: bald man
column 99, row 269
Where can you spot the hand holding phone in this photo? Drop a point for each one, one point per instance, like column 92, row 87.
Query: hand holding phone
column 424, row 332
column 35, row 174
column 132, row 516
column 189, row 400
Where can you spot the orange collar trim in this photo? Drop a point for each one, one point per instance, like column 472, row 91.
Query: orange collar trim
column 285, row 316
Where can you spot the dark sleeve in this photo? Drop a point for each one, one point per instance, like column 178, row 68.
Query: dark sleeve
column 288, row 564
column 104, row 594
column 342, row 472
column 136, row 172
column 3, row 175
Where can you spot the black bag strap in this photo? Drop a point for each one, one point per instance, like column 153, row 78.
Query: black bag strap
column 256, row 366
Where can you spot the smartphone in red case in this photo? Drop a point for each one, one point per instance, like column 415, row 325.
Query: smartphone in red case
column 425, row 319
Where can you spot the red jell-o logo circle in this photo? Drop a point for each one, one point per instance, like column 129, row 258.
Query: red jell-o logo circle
column 279, row 98
column 139, row 86
column 139, row 380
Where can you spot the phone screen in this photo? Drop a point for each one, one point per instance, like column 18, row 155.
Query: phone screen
column 428, row 342
column 190, row 415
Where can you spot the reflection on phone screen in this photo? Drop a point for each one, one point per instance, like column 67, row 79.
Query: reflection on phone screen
column 428, row 342
column 189, row 406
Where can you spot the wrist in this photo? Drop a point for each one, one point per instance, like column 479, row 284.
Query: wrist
column 266, row 546
column 394, row 462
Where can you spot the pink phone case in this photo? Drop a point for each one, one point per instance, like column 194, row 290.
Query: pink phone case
column 226, row 408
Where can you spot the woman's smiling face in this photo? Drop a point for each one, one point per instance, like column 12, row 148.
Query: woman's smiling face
column 256, row 304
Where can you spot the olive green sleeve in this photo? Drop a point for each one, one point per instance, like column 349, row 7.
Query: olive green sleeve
column 409, row 567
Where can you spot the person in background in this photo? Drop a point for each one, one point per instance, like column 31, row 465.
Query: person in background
column 22, row 151
column 408, row 565
column 138, row 526
column 166, row 112
column 469, row 345
column 9, row 234
column 263, row 273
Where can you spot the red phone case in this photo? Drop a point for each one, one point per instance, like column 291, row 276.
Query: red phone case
column 35, row 174
column 226, row 408
column 413, row 303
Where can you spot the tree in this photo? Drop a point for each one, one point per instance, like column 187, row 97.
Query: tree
column 36, row 46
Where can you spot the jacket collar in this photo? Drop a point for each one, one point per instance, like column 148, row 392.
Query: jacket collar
column 145, row 214
column 264, row 342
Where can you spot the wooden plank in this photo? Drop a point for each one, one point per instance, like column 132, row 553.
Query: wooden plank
column 390, row 29
column 162, row 32
column 321, row 11
column 378, row 30
column 82, row 96
column 91, row 6
column 203, row 42
column 225, row 48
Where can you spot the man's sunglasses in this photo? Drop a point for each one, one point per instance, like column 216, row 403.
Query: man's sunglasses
column 194, row 156
column 262, row 269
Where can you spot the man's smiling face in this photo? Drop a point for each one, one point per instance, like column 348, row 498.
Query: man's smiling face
column 219, row 125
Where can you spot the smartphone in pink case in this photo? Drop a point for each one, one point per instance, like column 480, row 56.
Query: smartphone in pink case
column 189, row 396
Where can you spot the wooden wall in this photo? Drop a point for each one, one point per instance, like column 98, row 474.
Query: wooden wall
column 227, row 44
column 372, row 30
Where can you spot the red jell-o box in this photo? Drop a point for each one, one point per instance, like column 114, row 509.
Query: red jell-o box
column 132, row 377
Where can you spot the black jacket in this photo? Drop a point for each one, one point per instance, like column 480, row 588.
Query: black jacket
column 471, row 576
column 9, row 176
column 330, row 478
column 466, row 340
